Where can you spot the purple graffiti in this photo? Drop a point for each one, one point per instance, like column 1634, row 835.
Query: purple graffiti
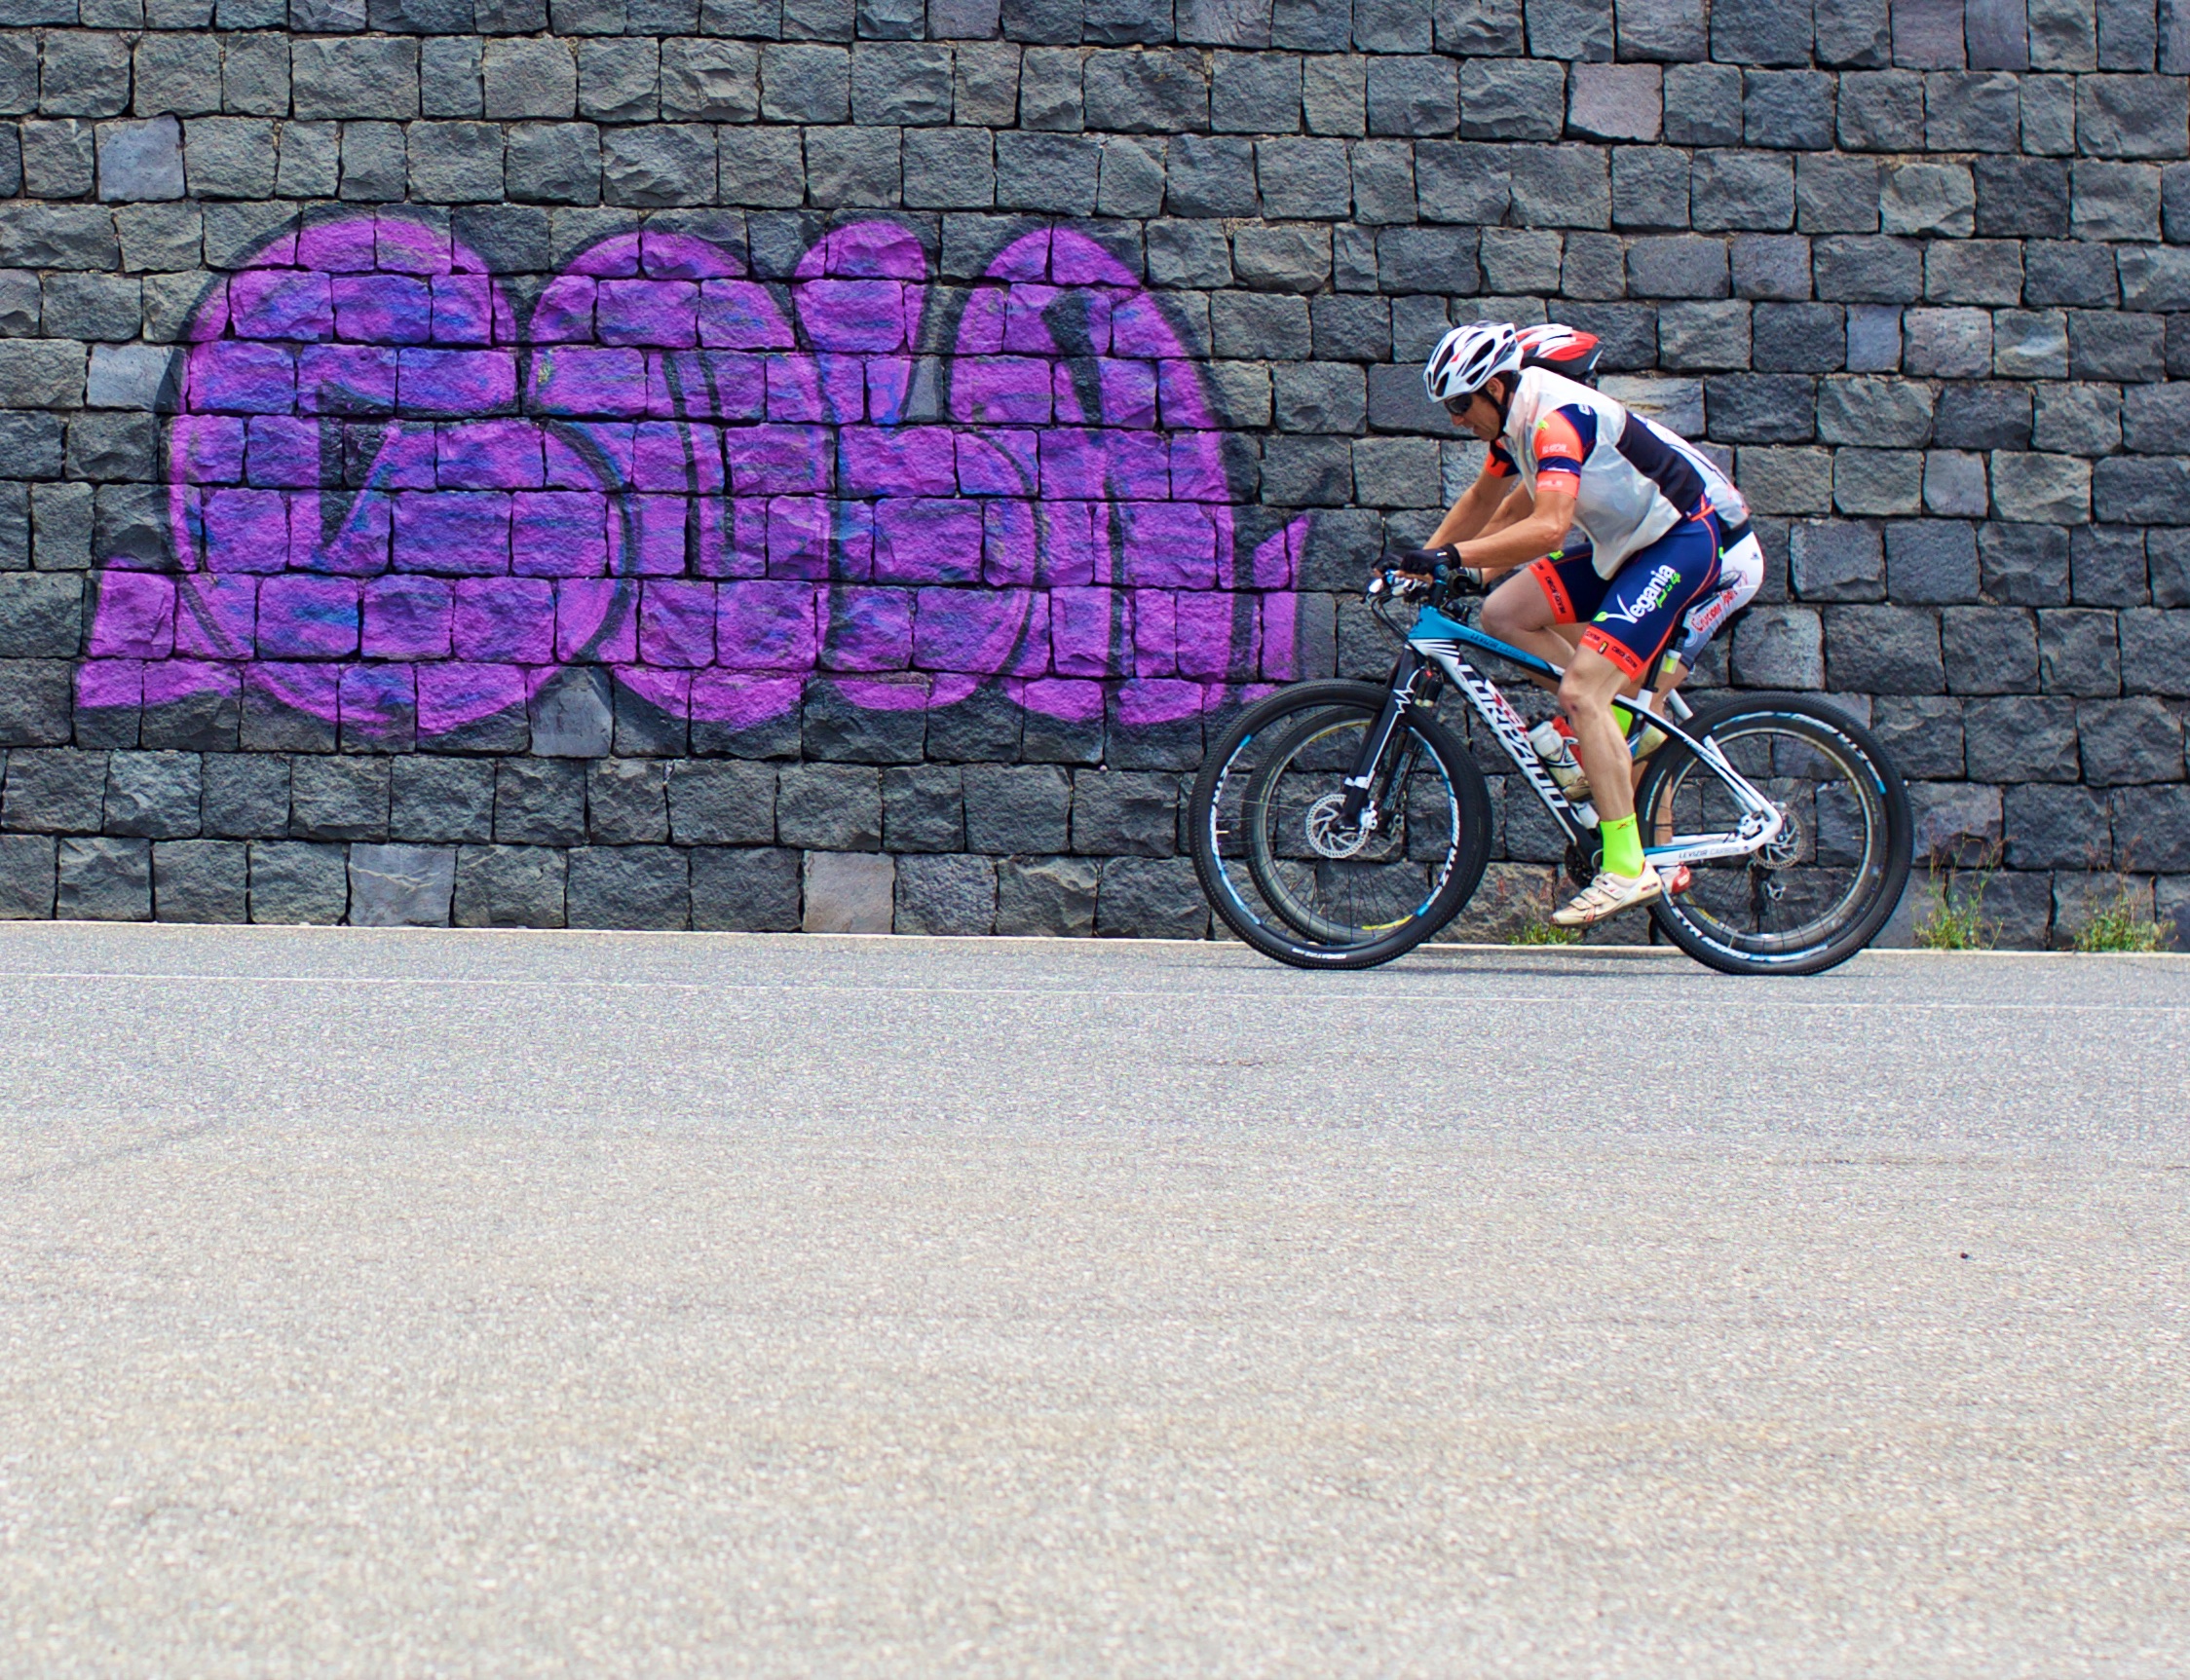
column 399, row 498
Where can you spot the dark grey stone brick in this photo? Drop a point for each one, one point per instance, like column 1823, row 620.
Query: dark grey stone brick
column 2122, row 742
column 1053, row 173
column 946, row 894
column 2068, row 272
column 1014, row 809
column 1254, row 93
column 2078, row 654
column 557, row 162
column 1210, row 175
column 745, row 889
column 984, row 727
column 2021, row 737
column 1835, row 195
column 830, row 807
column 510, row 886
column 153, row 796
column 834, row 727
column 1117, row 22
column 1931, row 561
column 1668, row 31
column 1993, row 415
column 1761, row 408
column 1990, row 649
column 2106, row 566
column 1511, row 100
column 26, row 877
column 1971, row 111
column 2021, row 197
column 36, row 702
column 1883, row 651
column 1853, row 269
column 1482, row 28
column 246, row 795
column 1350, row 328
column 1569, row 186
column 1798, row 337
column 635, row 886
column 41, row 614
column 1760, row 31
column 1392, row 26
column 1150, row 898
column 432, row 799
column 2155, row 650
column 1788, row 109
column 901, row 82
column 2124, row 347
column 627, row 802
column 720, row 803
column 1836, row 560
column 2053, row 826
column 1771, row 266
column 2024, row 565
column 1742, row 189
column 2152, row 831
column 2078, row 419
column 1650, row 189
column 1778, row 647
column 104, row 881
column 1436, row 260
column 1882, row 112
column 2142, row 489
column 1922, row 732
column 1678, row 266
column 61, row 791
column 1164, row 92
column 1125, row 813
column 1052, row 896
column 923, row 810
column 537, row 801
column 1418, row 97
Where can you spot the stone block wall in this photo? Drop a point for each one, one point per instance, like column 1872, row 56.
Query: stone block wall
column 764, row 463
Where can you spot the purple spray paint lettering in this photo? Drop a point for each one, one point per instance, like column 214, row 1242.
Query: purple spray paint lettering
column 397, row 499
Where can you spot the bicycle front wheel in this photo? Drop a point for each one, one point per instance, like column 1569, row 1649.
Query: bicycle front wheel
column 1284, row 869
column 1824, row 886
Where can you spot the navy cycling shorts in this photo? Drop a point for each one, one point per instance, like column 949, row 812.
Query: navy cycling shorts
column 1633, row 614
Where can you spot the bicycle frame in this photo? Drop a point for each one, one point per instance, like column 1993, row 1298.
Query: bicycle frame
column 1437, row 641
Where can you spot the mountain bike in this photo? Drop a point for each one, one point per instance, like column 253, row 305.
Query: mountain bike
column 1339, row 824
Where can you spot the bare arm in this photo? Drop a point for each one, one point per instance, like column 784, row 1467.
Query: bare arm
column 1473, row 511
column 1539, row 531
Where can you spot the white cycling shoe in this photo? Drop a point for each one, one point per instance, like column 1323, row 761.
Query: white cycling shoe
column 1609, row 894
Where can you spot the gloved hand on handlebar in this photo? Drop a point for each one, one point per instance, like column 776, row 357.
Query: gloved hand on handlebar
column 1424, row 562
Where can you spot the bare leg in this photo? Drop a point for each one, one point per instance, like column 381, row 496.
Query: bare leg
column 1586, row 695
column 1519, row 612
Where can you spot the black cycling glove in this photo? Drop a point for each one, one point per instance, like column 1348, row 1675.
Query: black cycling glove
column 1428, row 560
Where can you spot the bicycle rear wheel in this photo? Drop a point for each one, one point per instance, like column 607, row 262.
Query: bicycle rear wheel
column 1282, row 870
column 1822, row 890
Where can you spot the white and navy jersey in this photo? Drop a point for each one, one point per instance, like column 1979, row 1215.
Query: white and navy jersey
column 1631, row 481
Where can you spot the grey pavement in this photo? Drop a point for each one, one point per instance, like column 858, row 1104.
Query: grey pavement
column 410, row 1303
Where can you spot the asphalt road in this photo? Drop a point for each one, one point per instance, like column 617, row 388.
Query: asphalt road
column 416, row 1303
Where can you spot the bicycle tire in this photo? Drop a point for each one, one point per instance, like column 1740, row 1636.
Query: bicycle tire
column 1233, row 883
column 1882, row 867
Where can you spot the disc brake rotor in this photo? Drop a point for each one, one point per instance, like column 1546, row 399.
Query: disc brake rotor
column 1328, row 832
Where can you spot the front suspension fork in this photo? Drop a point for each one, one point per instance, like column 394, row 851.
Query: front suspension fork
column 1361, row 783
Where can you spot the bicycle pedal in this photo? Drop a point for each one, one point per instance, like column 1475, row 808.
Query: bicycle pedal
column 1677, row 878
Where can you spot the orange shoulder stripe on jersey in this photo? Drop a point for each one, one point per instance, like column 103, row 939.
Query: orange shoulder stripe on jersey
column 1556, row 438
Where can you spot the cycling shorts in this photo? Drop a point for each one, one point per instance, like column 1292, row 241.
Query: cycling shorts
column 1571, row 585
column 1740, row 571
column 1633, row 614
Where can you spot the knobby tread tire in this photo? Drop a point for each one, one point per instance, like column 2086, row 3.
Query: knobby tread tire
column 1286, row 943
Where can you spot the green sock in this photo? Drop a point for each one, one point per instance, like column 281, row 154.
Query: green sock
column 1623, row 846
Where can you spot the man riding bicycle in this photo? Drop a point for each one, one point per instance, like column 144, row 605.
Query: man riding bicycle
column 1653, row 533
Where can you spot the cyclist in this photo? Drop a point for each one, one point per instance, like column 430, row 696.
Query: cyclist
column 1636, row 495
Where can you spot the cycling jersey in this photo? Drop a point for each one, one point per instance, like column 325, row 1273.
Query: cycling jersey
column 1630, row 480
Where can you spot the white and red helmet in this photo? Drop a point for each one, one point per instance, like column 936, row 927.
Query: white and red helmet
column 1565, row 351
column 1468, row 357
